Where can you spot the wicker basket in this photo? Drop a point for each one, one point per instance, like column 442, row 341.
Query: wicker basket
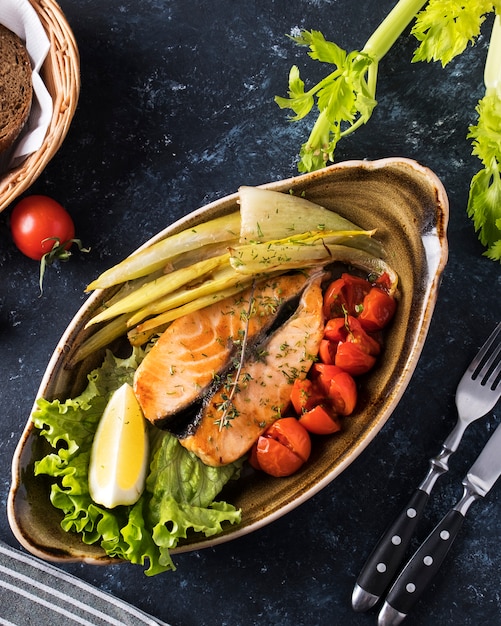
column 61, row 75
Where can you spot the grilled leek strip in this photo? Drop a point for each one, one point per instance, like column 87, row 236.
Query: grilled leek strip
column 272, row 233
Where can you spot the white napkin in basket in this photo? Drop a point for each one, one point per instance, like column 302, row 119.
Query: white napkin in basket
column 21, row 18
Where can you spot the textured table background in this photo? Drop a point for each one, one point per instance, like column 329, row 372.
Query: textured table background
column 177, row 110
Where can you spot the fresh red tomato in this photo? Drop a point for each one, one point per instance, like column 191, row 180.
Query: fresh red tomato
column 320, row 421
column 304, row 395
column 38, row 223
column 345, row 296
column 349, row 329
column 377, row 310
column 283, row 448
column 353, row 359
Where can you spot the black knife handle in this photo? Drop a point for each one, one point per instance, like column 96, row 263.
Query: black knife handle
column 388, row 555
column 423, row 566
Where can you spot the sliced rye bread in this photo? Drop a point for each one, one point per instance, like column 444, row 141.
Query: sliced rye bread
column 16, row 89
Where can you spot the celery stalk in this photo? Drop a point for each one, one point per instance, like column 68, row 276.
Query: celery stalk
column 346, row 98
column 386, row 34
column 484, row 200
column 492, row 70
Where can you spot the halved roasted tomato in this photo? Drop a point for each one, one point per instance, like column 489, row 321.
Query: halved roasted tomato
column 377, row 310
column 305, row 395
column 283, row 448
column 352, row 359
column 320, row 420
column 345, row 296
column 348, row 329
column 338, row 387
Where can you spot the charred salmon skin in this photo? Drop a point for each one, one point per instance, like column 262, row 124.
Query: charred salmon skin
column 196, row 348
column 242, row 408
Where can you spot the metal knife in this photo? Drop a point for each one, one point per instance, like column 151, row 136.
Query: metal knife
column 425, row 563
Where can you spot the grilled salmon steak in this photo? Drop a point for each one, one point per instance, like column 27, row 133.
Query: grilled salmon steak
column 248, row 401
column 197, row 348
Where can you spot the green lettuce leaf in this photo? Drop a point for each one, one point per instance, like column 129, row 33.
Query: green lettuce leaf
column 180, row 492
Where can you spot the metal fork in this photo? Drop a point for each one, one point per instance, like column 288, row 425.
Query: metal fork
column 478, row 391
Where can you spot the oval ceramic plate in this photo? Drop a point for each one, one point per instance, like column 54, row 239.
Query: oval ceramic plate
column 408, row 205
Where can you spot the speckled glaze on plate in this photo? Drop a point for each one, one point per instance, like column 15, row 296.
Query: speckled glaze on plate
column 408, row 205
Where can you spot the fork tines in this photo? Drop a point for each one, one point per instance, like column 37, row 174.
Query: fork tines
column 487, row 363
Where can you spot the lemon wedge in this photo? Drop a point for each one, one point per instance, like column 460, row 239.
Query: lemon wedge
column 120, row 452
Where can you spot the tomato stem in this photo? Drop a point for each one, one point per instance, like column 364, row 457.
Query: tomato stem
column 59, row 251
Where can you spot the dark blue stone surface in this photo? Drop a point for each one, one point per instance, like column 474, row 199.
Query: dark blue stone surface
column 177, row 110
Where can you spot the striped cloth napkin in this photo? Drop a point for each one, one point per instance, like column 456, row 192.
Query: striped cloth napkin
column 34, row 592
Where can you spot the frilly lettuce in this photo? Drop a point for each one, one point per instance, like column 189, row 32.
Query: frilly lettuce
column 180, row 489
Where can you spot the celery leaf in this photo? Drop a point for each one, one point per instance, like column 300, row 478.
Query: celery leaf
column 486, row 134
column 444, row 28
column 345, row 98
column 299, row 101
column 484, row 203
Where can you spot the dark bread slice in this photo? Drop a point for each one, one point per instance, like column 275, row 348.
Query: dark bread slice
column 16, row 89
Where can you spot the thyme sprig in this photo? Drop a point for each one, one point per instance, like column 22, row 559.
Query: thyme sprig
column 229, row 411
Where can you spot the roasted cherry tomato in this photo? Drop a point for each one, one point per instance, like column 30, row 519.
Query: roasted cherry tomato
column 377, row 310
column 322, row 374
column 334, row 299
column 327, row 351
column 383, row 282
column 349, row 329
column 353, row 359
column 253, row 457
column 283, row 448
column 304, row 395
column 345, row 296
column 343, row 393
column 320, row 420
column 338, row 387
column 38, row 223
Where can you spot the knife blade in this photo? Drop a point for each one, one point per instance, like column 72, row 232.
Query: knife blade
column 426, row 561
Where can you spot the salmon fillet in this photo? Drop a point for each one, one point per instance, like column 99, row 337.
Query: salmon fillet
column 198, row 347
column 226, row 429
